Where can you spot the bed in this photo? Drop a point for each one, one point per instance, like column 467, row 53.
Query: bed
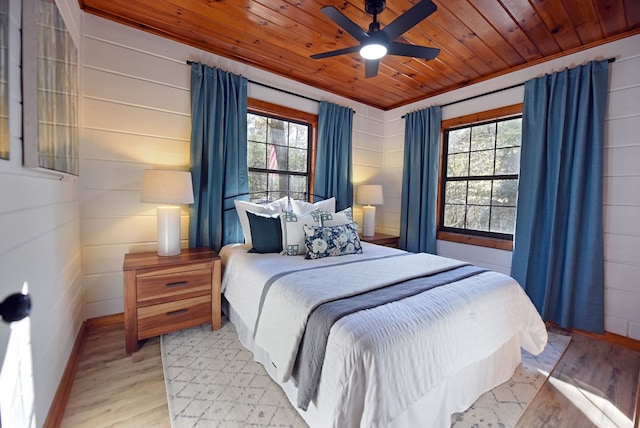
column 409, row 362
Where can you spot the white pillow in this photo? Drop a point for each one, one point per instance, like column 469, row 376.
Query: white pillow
column 269, row 209
column 302, row 207
column 293, row 232
column 329, row 219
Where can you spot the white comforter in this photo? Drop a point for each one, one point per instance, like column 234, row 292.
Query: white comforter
column 380, row 361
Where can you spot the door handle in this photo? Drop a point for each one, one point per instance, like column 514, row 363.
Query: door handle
column 15, row 307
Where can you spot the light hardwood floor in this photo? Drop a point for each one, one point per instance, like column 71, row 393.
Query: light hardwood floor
column 113, row 389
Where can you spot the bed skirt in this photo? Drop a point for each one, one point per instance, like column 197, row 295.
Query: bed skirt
column 434, row 409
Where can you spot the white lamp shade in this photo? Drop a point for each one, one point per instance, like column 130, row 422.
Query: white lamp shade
column 369, row 194
column 163, row 186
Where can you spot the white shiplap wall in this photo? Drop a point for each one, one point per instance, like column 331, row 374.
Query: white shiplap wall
column 137, row 116
column 40, row 245
column 622, row 172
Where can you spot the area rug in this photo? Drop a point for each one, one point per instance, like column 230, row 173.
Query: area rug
column 212, row 381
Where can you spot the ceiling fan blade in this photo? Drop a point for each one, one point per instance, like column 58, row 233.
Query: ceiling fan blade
column 409, row 19
column 404, row 49
column 371, row 68
column 345, row 23
column 344, row 51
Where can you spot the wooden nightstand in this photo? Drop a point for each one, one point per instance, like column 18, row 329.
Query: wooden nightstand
column 165, row 294
column 382, row 239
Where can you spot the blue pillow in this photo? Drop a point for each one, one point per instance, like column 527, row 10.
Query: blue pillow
column 266, row 233
column 331, row 241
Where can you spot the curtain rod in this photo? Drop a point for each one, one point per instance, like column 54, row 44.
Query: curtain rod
column 610, row 60
column 189, row 62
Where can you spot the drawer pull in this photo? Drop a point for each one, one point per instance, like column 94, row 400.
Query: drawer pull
column 178, row 312
column 177, row 284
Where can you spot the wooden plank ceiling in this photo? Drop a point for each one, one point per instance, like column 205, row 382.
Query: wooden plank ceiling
column 479, row 39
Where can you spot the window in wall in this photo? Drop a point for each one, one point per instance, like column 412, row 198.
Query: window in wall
column 479, row 184
column 4, row 81
column 280, row 149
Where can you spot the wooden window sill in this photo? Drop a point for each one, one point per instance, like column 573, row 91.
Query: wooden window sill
column 479, row 241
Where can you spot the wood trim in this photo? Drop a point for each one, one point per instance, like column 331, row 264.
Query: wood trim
column 286, row 113
column 613, row 338
column 60, row 400
column 106, row 321
column 479, row 241
column 130, row 315
column 493, row 114
column 636, row 417
column 282, row 112
column 216, row 304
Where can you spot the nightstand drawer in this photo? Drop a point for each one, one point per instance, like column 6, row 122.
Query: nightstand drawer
column 166, row 317
column 173, row 284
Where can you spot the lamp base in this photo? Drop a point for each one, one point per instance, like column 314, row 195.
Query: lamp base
column 369, row 220
column 168, row 230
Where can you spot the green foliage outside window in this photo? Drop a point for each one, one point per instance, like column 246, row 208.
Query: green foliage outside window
column 480, row 186
column 278, row 158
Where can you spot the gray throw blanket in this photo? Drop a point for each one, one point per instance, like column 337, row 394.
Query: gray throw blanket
column 312, row 348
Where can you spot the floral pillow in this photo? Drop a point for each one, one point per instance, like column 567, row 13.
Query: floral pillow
column 331, row 241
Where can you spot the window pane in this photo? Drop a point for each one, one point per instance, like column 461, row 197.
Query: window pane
column 483, row 137
column 297, row 160
column 256, row 156
column 279, row 157
column 481, row 163
column 278, row 182
column 503, row 220
column 505, row 192
column 478, row 217
column 459, row 140
column 458, row 165
column 298, row 136
column 256, row 128
column 277, row 132
column 257, row 183
column 299, row 186
column 508, row 161
column 456, row 192
column 454, row 215
column 277, row 194
column 509, row 132
column 258, row 198
column 479, row 193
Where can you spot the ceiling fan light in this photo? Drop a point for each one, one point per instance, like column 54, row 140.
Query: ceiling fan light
column 373, row 51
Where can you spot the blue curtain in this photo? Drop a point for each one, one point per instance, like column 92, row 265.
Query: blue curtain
column 333, row 158
column 218, row 155
column 558, row 252
column 420, row 180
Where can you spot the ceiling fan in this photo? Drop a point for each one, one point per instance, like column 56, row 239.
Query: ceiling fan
column 376, row 43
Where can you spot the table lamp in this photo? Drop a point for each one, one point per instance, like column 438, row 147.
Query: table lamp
column 168, row 188
column 368, row 195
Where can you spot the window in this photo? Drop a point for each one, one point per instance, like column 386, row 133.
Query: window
column 280, row 148
column 479, row 184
